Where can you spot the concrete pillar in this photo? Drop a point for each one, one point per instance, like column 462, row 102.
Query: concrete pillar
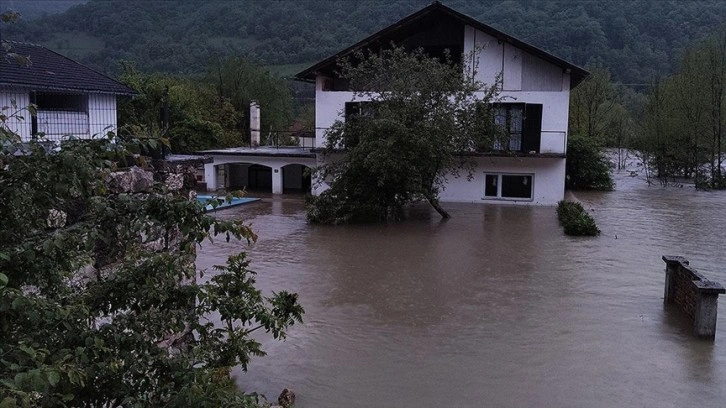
column 210, row 176
column 254, row 123
column 704, row 320
column 276, row 180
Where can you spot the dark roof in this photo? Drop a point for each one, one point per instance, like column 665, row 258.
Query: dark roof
column 52, row 71
column 577, row 74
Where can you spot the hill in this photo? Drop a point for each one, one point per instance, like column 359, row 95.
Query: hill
column 33, row 9
column 637, row 40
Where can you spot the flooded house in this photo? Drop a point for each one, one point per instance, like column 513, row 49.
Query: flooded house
column 533, row 84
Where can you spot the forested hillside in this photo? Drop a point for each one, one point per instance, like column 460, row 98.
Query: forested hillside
column 637, row 40
column 33, row 9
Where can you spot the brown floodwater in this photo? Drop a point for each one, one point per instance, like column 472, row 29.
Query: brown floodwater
column 495, row 307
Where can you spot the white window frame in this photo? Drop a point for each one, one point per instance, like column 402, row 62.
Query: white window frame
column 499, row 187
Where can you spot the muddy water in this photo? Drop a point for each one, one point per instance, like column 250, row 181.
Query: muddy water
column 495, row 307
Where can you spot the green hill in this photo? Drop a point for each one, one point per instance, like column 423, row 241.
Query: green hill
column 637, row 40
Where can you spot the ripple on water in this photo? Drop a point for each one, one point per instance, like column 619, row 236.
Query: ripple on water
column 495, row 307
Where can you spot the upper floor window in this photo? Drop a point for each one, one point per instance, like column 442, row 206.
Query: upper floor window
column 520, row 126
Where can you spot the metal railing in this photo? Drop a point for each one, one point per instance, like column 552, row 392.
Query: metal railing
column 289, row 138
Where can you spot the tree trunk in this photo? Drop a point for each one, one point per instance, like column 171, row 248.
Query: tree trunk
column 435, row 203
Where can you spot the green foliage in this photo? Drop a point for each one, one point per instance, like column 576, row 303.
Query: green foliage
column 99, row 305
column 414, row 137
column 685, row 118
column 636, row 40
column 207, row 112
column 199, row 119
column 575, row 220
column 587, row 167
column 240, row 82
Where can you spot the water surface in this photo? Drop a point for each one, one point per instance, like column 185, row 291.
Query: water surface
column 495, row 307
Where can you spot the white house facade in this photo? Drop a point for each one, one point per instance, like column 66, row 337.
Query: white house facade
column 72, row 100
column 534, row 89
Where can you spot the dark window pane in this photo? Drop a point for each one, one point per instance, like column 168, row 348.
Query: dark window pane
column 490, row 189
column 517, row 186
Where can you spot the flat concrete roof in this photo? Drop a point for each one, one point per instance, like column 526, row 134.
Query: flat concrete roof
column 282, row 151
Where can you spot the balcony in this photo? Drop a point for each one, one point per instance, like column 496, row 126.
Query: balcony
column 542, row 144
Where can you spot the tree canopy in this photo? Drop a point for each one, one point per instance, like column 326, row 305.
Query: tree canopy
column 636, row 40
column 684, row 126
column 413, row 122
column 99, row 303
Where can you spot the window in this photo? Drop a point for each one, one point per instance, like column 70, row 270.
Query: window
column 61, row 102
column 509, row 118
column 520, row 125
column 508, row 186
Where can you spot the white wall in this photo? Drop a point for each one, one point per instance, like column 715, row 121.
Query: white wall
column 549, row 180
column 525, row 79
column 21, row 127
column 101, row 114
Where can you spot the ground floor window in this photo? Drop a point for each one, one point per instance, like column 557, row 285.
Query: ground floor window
column 509, row 186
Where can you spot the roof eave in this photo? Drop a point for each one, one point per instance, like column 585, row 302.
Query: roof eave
column 32, row 87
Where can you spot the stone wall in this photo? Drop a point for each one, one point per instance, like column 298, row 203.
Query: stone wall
column 691, row 292
column 178, row 174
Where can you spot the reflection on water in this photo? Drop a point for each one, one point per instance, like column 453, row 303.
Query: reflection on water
column 495, row 307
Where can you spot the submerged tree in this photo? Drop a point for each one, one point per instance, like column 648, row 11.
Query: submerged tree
column 685, row 121
column 414, row 123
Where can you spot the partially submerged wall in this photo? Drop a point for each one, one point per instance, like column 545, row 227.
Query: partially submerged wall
column 692, row 293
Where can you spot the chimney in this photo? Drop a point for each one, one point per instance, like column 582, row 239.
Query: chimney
column 254, row 123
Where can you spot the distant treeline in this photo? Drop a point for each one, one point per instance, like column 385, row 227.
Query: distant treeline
column 638, row 41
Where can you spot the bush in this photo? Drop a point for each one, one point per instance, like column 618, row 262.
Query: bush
column 587, row 167
column 575, row 219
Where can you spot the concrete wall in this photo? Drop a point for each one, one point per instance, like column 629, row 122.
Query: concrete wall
column 695, row 295
column 548, row 180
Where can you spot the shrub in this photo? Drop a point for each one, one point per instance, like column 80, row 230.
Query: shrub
column 575, row 220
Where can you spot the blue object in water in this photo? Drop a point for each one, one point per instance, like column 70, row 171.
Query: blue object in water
column 234, row 202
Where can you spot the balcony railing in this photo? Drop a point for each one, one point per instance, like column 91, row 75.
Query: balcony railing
column 550, row 142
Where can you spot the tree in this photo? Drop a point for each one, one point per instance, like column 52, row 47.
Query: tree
column 683, row 132
column 198, row 118
column 240, row 83
column 99, row 304
column 587, row 167
column 591, row 104
column 417, row 119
